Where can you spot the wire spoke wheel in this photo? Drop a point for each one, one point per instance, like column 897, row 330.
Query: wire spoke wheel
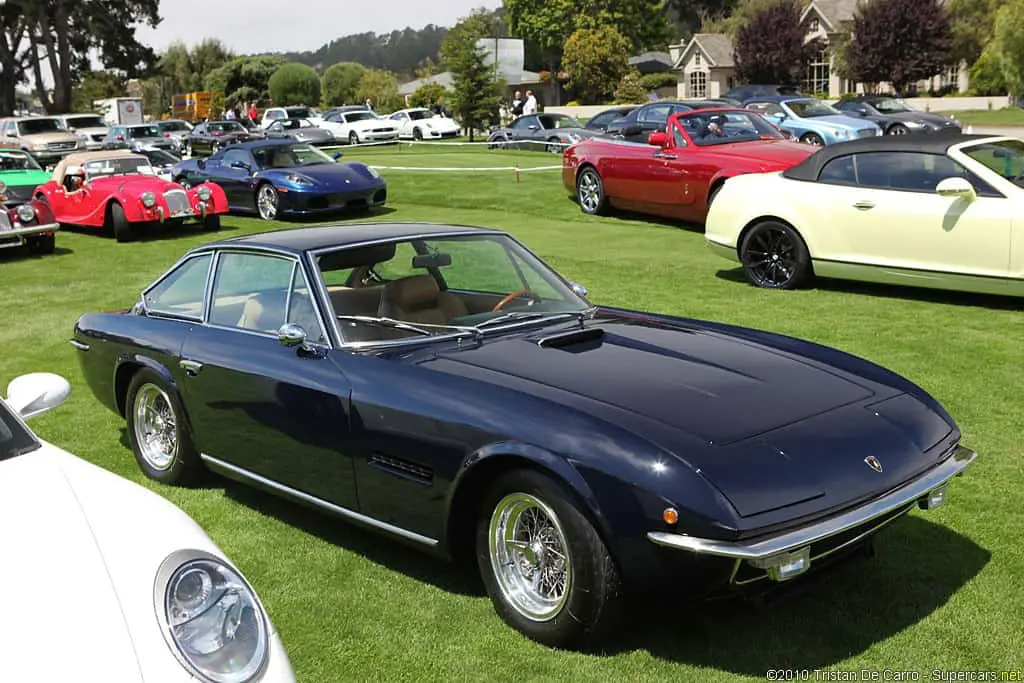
column 530, row 556
column 156, row 427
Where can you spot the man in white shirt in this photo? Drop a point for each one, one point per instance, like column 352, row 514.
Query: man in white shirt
column 530, row 107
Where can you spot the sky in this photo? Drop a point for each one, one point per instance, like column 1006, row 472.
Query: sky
column 281, row 26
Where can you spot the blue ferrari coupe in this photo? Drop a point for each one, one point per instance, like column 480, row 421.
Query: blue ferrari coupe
column 276, row 178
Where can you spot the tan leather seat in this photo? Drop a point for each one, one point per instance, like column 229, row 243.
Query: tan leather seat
column 356, row 300
column 263, row 312
column 419, row 299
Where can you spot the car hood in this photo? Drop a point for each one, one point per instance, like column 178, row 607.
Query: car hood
column 923, row 117
column 132, row 184
column 34, row 178
column 59, row 589
column 768, row 428
column 840, row 121
column 780, row 154
column 48, row 138
column 313, row 134
column 328, row 174
column 369, row 124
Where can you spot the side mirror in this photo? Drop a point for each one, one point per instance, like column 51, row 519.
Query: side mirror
column 956, row 187
column 533, row 127
column 578, row 289
column 36, row 393
column 201, row 164
column 778, row 116
column 337, row 155
column 658, row 139
column 292, row 335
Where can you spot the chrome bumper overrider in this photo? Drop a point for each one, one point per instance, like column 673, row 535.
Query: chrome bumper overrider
column 781, row 549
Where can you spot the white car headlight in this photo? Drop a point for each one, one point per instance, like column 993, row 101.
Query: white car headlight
column 374, row 173
column 148, row 199
column 428, row 124
column 211, row 617
column 25, row 213
column 841, row 133
column 915, row 124
column 203, row 193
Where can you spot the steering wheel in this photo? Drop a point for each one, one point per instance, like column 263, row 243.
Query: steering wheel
column 509, row 299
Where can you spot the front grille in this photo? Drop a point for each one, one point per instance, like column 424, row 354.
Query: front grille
column 867, row 132
column 60, row 146
column 383, row 130
column 177, row 202
column 380, row 196
column 5, row 221
column 99, row 137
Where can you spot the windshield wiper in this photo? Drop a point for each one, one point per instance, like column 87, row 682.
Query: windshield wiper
column 419, row 328
column 516, row 316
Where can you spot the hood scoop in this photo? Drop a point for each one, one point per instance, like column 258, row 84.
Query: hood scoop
column 575, row 341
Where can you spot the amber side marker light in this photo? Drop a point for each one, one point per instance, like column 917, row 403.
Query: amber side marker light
column 670, row 515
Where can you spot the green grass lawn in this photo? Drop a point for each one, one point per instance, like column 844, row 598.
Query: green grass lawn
column 944, row 591
column 1010, row 116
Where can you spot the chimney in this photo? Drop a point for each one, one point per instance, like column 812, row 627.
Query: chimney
column 675, row 50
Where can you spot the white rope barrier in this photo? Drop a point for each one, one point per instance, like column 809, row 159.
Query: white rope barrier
column 453, row 143
column 478, row 169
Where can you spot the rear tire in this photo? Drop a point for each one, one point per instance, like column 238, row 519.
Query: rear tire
column 774, row 256
column 159, row 435
column 529, row 524
column 590, row 192
column 117, row 223
column 812, row 139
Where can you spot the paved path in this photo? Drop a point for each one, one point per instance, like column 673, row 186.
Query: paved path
column 1012, row 131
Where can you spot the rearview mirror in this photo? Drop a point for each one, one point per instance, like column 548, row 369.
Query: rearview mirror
column 431, row 260
column 955, row 187
column 36, row 393
column 658, row 139
column 578, row 289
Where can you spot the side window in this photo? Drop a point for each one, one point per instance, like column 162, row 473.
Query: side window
column 235, row 155
column 524, row 123
column 656, row 115
column 302, row 311
column 839, row 172
column 678, row 139
column 912, row 172
column 401, row 265
column 251, row 291
column 181, row 293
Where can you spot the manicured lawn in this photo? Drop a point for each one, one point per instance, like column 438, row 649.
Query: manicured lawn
column 944, row 591
column 1011, row 116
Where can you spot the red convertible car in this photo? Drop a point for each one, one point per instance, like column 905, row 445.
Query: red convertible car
column 118, row 192
column 679, row 171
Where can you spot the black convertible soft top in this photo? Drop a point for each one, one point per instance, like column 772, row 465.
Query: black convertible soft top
column 937, row 143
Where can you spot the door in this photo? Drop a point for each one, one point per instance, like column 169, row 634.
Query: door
column 234, row 174
column 275, row 411
column 894, row 217
column 523, row 128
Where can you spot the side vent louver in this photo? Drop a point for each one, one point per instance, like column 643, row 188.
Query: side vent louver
column 402, row 468
column 575, row 341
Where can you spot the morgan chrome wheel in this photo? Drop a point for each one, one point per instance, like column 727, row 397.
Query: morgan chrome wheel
column 590, row 192
column 155, row 426
column 530, row 556
column 266, row 202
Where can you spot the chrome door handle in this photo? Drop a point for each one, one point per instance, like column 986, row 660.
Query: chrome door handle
column 662, row 155
column 190, row 367
column 864, row 205
column 81, row 346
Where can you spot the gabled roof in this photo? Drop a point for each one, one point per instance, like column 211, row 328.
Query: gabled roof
column 716, row 48
column 445, row 80
column 652, row 61
column 834, row 13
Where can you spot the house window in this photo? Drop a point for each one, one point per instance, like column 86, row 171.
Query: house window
column 697, row 59
column 698, row 84
column 813, row 26
column 818, row 72
column 950, row 77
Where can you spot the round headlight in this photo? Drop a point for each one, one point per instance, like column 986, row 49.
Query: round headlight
column 203, row 192
column 212, row 619
column 26, row 213
column 148, row 199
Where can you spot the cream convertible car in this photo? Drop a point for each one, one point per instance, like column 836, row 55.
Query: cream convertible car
column 106, row 581
column 943, row 211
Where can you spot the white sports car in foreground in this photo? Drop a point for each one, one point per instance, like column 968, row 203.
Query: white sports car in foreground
column 105, row 580
column 941, row 211
column 422, row 124
column 360, row 126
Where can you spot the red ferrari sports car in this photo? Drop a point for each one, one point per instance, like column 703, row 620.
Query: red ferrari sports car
column 118, row 192
column 677, row 174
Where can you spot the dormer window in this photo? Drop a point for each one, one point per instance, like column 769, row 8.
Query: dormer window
column 696, row 59
column 813, row 26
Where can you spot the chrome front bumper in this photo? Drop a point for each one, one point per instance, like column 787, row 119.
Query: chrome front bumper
column 30, row 230
column 774, row 550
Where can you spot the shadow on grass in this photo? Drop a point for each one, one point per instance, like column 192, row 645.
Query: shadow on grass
column 335, row 217
column 919, row 566
column 922, row 294
column 657, row 221
column 24, row 253
column 155, row 233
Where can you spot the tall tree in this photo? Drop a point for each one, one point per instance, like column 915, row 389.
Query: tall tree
column 1009, row 45
column 770, row 48
column 972, row 23
column 64, row 33
column 476, row 90
column 743, row 12
column 596, row 60
column 13, row 54
column 244, row 79
column 339, row 83
column 381, row 88
column 294, row 83
column 97, row 85
column 888, row 47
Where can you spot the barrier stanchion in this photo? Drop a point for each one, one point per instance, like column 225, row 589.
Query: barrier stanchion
column 517, row 173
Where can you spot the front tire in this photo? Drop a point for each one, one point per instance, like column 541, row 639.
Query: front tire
column 353, row 139
column 267, row 201
column 117, row 223
column 898, row 129
column 211, row 222
column 42, row 244
column 775, row 257
column 554, row 146
column 156, row 427
column 812, row 139
column 546, row 569
column 188, row 150
column 590, row 192
column 417, row 134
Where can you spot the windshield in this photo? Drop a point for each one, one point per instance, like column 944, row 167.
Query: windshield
column 550, row 121
column 226, row 127
column 34, row 126
column 420, row 114
column 441, row 285
column 725, row 127
column 12, row 160
column 1005, row 157
column 890, row 105
column 808, row 109
column 85, row 122
column 144, row 132
column 160, row 157
column 117, row 166
column 14, row 438
column 287, row 156
column 358, row 116
column 173, row 126
column 298, row 112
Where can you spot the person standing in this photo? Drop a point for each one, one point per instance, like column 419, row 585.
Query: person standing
column 517, row 104
column 253, row 114
column 530, row 106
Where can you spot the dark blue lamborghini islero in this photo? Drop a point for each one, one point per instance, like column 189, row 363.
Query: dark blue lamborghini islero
column 444, row 386
column 277, row 178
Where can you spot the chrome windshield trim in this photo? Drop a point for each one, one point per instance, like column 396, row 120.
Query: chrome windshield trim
column 320, row 502
column 756, row 549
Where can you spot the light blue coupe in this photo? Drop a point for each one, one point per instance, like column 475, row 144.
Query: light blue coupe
column 812, row 121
